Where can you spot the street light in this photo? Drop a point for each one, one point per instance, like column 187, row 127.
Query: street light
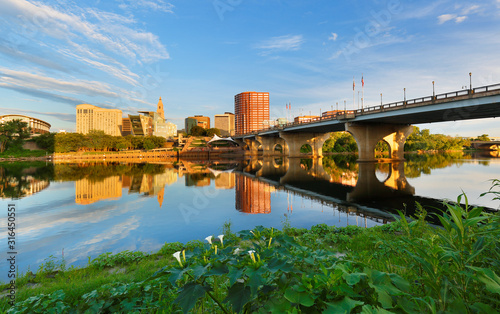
column 381, row 99
column 405, row 94
column 470, row 80
column 433, row 91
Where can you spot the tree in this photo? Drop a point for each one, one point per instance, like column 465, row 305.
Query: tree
column 483, row 138
column 211, row 132
column 12, row 134
column 198, row 131
column 69, row 142
column 46, row 141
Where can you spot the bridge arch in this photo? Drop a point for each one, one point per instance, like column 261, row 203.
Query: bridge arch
column 278, row 148
column 295, row 141
column 368, row 135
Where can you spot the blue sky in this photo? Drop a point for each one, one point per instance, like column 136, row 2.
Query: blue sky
column 197, row 55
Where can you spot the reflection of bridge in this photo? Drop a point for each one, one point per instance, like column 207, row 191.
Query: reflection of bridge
column 390, row 123
column 492, row 145
column 308, row 178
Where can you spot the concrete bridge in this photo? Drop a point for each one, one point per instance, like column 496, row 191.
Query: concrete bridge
column 391, row 123
column 492, row 145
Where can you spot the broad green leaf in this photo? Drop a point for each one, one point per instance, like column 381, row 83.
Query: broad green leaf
column 368, row 309
column 341, row 307
column 354, row 278
column 238, row 295
column 234, row 274
column 489, row 278
column 189, row 295
column 218, row 269
column 199, row 270
column 304, row 298
column 176, row 274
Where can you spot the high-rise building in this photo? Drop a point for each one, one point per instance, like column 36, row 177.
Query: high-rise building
column 89, row 117
column 198, row 120
column 225, row 123
column 152, row 123
column 251, row 110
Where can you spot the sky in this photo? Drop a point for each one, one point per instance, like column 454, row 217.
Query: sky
column 197, row 55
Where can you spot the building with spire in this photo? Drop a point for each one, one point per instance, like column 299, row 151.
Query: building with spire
column 149, row 123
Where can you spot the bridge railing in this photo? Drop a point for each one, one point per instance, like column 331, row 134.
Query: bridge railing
column 344, row 115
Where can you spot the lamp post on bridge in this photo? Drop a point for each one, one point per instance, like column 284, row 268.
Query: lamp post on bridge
column 433, row 91
column 380, row 99
column 404, row 95
column 470, row 81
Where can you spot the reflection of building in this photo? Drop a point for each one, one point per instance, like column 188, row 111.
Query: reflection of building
column 225, row 123
column 36, row 126
column 89, row 117
column 225, row 180
column 198, row 120
column 251, row 110
column 88, row 192
column 252, row 196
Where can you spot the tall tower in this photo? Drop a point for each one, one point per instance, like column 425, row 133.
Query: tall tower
column 251, row 110
column 160, row 109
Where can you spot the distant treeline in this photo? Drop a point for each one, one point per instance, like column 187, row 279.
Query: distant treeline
column 99, row 141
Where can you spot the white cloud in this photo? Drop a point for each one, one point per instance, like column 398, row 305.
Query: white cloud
column 158, row 5
column 288, row 42
column 460, row 19
column 74, row 24
column 445, row 18
column 471, row 9
column 333, row 37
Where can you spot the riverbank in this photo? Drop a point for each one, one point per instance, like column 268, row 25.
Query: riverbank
column 408, row 266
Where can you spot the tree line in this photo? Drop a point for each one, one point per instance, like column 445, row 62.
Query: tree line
column 99, row 141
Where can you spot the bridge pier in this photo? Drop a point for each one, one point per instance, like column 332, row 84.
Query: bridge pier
column 269, row 144
column 253, row 146
column 296, row 140
column 368, row 135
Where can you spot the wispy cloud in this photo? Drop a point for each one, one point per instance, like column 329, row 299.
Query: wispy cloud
column 61, row 116
column 445, row 18
column 281, row 43
column 158, row 5
column 72, row 24
column 333, row 37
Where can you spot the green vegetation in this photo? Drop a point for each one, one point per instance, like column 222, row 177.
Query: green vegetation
column 12, row 135
column 99, row 141
column 199, row 131
column 16, row 177
column 483, row 138
column 423, row 140
column 406, row 266
column 340, row 142
column 46, row 141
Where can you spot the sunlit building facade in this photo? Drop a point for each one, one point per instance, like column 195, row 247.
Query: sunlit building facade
column 90, row 117
column 36, row 126
column 197, row 120
column 225, row 123
column 251, row 110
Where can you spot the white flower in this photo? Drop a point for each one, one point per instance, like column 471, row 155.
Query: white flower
column 177, row 256
column 251, row 252
column 236, row 251
column 209, row 239
column 221, row 237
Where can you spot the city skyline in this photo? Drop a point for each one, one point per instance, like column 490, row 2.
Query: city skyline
column 126, row 54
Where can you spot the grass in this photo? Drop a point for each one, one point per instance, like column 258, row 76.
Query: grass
column 23, row 153
column 405, row 266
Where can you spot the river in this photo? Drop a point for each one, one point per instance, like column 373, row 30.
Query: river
column 77, row 211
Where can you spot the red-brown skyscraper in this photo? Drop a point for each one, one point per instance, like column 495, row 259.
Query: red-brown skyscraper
column 250, row 109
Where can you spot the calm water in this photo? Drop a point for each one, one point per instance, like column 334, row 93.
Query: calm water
column 87, row 210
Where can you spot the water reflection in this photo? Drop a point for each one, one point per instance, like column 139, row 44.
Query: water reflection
column 22, row 179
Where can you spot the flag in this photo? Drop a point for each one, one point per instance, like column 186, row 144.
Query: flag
column 362, row 81
column 353, row 84
column 290, row 106
column 286, row 106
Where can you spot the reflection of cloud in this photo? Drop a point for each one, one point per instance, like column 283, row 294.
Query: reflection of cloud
column 117, row 232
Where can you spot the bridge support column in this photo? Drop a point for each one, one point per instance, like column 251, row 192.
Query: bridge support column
column 253, row 146
column 368, row 135
column 269, row 143
column 296, row 140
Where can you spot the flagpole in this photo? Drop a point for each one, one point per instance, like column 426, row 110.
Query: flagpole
column 353, row 94
column 362, row 92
